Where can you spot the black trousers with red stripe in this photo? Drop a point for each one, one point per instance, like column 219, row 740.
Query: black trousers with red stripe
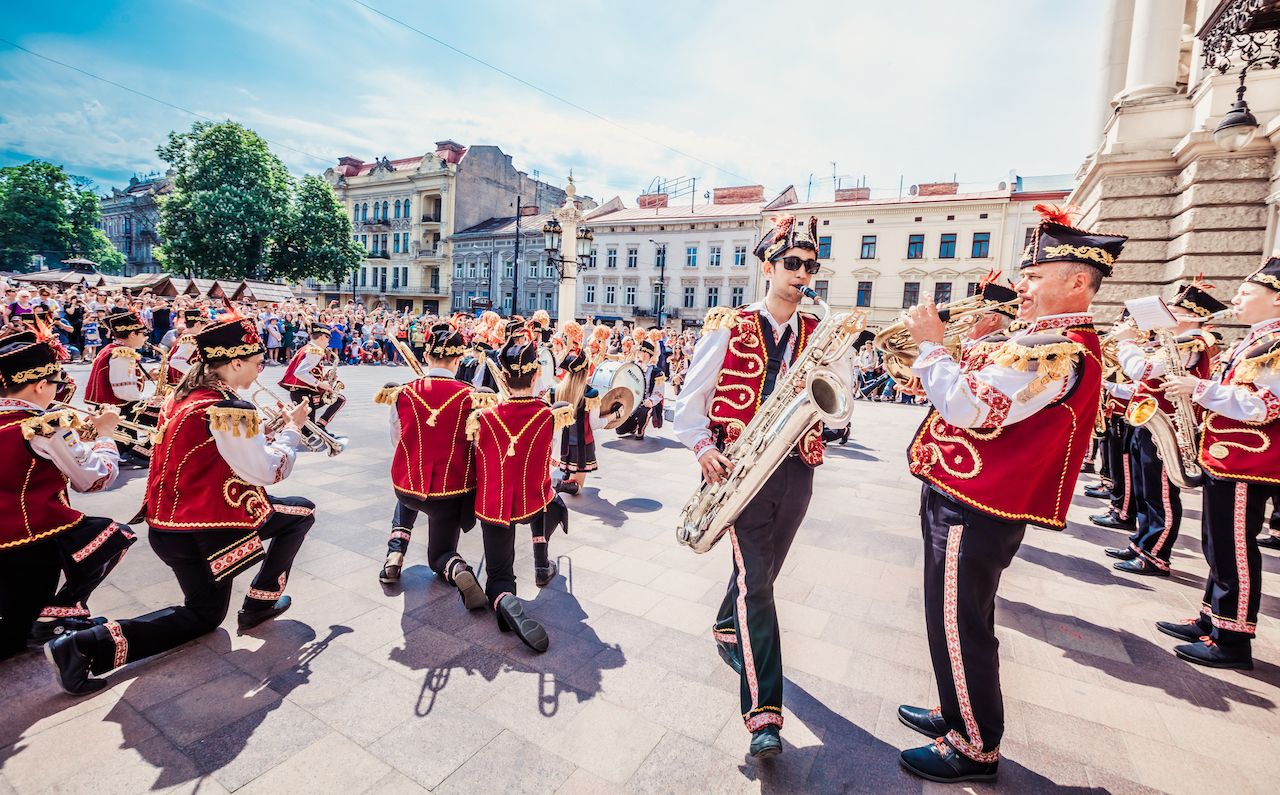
column 965, row 553
column 761, row 538
column 1233, row 514
column 1159, row 503
column 1119, row 466
column 447, row 519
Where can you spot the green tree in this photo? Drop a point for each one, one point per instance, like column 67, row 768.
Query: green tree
column 315, row 239
column 230, row 197
column 46, row 211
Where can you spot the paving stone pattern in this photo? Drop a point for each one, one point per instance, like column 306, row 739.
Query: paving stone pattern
column 360, row 688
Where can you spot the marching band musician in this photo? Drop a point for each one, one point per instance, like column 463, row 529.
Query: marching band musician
column 1116, row 445
column 116, row 378
column 476, row 368
column 180, row 358
column 1024, row 412
column 741, row 357
column 1157, row 501
column 44, row 536
column 513, row 462
column 311, row 377
column 1240, row 455
column 650, row 408
column 577, row 454
column 433, row 465
column 209, row 513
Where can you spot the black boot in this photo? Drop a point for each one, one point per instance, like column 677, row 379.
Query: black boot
column 1140, row 565
column 1121, row 554
column 765, row 742
column 1213, row 655
column 557, row 516
column 567, row 486
column 464, row 579
column 44, row 631
column 543, row 575
column 928, row 722
column 940, row 762
column 1269, row 541
column 251, row 616
column 511, row 618
column 1189, row 630
column 71, row 666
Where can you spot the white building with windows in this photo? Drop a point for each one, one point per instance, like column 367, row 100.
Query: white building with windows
column 673, row 261
column 881, row 255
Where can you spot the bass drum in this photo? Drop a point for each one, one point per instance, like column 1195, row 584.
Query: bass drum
column 547, row 368
column 618, row 382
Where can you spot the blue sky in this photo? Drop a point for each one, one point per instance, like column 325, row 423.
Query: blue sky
column 753, row 91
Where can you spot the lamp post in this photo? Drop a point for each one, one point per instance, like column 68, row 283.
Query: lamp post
column 1243, row 33
column 566, row 224
column 660, row 253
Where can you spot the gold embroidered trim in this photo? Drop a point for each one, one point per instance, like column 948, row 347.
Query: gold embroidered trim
column 48, row 424
column 1248, row 370
column 1265, row 278
column 125, row 352
column 387, row 395
column 1094, row 253
column 234, row 352
column 720, row 317
column 35, row 373
column 237, row 422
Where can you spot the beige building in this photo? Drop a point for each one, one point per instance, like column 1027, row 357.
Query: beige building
column 1189, row 204
column 881, row 255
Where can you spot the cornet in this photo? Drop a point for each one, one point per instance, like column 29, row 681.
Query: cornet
column 313, row 436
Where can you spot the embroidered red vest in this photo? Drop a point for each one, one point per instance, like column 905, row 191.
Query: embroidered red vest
column 433, row 458
column 513, row 459
column 290, row 378
column 1236, row 450
column 737, row 396
column 1203, row 368
column 98, row 388
column 1024, row 472
column 33, row 491
column 189, row 485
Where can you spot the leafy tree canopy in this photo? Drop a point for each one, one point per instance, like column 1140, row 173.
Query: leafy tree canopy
column 46, row 211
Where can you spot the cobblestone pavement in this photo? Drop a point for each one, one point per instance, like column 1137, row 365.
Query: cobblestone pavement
column 359, row 688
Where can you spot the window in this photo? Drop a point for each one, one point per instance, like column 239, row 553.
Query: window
column 509, row 269
column 971, row 290
column 395, row 278
column 484, row 269
column 457, row 269
column 690, row 296
column 910, row 294
column 364, row 211
column 396, row 239
column 713, row 256
column 590, row 294
column 868, row 247
column 384, row 239
column 691, row 256
column 947, row 246
column 1026, row 239
column 406, row 208
column 397, row 208
column 713, row 297
column 385, row 207
column 610, row 294
column 364, row 277
column 981, row 245
column 547, row 300
column 659, row 297
column 660, row 256
column 630, row 294
column 355, row 213
column 739, row 256
column 864, row 293
column 592, row 262
column 942, row 292
column 736, row 295
column 471, row 269
column 915, row 248
column 404, row 276
column 633, row 256
column 824, row 248
column 611, row 257
column 364, row 241
column 820, row 287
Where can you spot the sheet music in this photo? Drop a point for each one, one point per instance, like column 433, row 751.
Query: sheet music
column 1150, row 313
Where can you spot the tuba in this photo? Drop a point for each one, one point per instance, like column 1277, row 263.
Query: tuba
column 810, row 391
column 900, row 350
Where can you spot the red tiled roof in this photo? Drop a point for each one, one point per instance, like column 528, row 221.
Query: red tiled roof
column 364, row 168
column 952, row 197
column 679, row 212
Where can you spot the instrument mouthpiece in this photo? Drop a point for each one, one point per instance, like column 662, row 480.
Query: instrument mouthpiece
column 809, row 292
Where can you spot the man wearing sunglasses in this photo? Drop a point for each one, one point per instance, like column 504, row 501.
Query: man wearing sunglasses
column 744, row 354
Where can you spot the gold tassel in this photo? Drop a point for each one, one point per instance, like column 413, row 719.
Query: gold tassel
column 484, row 400
column 473, row 424
column 563, row 415
column 124, row 352
column 236, row 422
column 1249, row 369
column 47, row 424
column 1054, row 360
column 720, row 317
column 387, row 395
column 593, row 406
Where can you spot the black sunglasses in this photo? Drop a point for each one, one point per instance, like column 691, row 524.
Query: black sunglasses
column 811, row 266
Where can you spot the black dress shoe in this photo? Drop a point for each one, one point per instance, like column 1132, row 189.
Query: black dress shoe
column 391, row 569
column 71, row 667
column 1140, row 566
column 765, row 742
column 44, row 631
column 1208, row 653
column 545, row 574
column 511, row 618
column 928, row 722
column 1190, row 630
column 1100, row 492
column 940, row 762
column 569, row 487
column 1112, row 521
column 1269, row 541
column 729, row 653
column 248, row 618
column 469, row 588
column 1121, row 554
column 1087, row 467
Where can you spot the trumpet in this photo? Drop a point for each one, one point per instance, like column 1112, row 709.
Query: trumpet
column 900, row 350
column 141, row 434
column 272, row 408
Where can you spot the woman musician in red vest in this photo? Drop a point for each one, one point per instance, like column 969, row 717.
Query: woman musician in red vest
column 183, row 355
column 1022, row 414
column 1240, row 455
column 42, row 537
column 209, row 514
column 513, row 477
column 433, row 466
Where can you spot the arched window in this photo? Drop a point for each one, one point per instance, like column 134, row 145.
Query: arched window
column 355, row 212
column 386, row 207
column 364, row 211
column 397, row 208
column 406, row 209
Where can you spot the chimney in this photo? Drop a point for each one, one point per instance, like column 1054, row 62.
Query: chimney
column 739, row 194
column 450, row 151
column 650, row 201
column 853, row 194
column 938, row 189
column 348, row 160
column 529, row 209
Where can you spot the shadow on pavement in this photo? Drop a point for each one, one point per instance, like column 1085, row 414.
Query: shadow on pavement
column 1077, row 568
column 589, row 502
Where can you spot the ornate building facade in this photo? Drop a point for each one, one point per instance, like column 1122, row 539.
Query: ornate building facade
column 129, row 219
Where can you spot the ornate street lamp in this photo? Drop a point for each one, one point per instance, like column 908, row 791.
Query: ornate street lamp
column 551, row 235
column 1244, row 34
column 1238, row 127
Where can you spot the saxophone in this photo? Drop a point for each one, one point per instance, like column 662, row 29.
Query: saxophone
column 1176, row 438
column 810, row 391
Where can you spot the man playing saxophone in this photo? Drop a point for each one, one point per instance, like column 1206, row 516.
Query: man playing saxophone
column 1157, row 500
column 742, row 356
column 1019, row 414
column 1240, row 455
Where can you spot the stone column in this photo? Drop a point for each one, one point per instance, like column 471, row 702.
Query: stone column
column 570, row 217
column 1118, row 19
column 1154, row 44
